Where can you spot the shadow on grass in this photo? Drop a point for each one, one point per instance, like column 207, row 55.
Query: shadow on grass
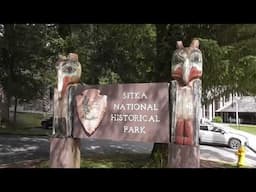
column 117, row 161
column 124, row 162
column 113, row 162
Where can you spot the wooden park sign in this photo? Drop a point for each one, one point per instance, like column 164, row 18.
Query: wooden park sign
column 143, row 112
column 122, row 112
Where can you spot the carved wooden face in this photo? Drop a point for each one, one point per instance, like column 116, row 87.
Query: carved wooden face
column 187, row 62
column 68, row 71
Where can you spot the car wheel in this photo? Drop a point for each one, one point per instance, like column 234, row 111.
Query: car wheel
column 234, row 143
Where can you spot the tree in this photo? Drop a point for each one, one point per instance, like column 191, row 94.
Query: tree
column 104, row 50
column 242, row 39
column 26, row 57
column 232, row 56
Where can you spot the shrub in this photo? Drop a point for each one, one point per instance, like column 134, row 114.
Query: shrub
column 217, row 119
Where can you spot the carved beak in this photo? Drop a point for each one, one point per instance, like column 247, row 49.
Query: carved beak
column 63, row 82
column 60, row 81
column 186, row 71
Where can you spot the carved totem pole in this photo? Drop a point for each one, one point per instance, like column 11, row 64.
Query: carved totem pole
column 185, row 105
column 65, row 150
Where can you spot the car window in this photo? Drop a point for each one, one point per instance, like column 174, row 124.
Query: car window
column 216, row 129
column 205, row 128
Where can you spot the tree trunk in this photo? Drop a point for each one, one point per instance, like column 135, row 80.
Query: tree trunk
column 15, row 110
column 7, row 106
column 46, row 102
column 5, row 109
column 8, row 59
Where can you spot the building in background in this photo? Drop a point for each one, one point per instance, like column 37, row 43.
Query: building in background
column 43, row 105
column 246, row 111
column 225, row 107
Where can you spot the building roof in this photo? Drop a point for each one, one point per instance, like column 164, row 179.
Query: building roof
column 246, row 104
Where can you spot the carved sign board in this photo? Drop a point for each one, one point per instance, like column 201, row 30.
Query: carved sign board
column 135, row 112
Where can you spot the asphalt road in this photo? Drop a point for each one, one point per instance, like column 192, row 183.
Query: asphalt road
column 226, row 154
column 15, row 149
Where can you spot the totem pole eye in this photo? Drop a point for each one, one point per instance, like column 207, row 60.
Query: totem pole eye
column 68, row 68
column 196, row 58
column 177, row 60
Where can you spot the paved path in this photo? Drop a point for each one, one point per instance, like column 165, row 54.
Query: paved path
column 15, row 149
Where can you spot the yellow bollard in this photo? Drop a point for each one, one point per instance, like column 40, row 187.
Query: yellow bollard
column 241, row 156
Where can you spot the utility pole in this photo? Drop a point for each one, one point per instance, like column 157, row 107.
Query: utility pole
column 237, row 117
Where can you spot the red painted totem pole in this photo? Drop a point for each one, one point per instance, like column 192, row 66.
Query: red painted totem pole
column 65, row 150
column 185, row 106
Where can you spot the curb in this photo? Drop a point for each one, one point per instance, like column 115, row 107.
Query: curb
column 226, row 162
column 23, row 134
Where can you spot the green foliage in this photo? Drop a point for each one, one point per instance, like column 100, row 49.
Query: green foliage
column 114, row 53
column 218, row 119
column 109, row 77
column 26, row 59
column 216, row 69
column 242, row 57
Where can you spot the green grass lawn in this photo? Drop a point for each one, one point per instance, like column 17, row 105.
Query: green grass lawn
column 247, row 128
column 118, row 163
column 28, row 120
column 26, row 124
column 131, row 161
column 90, row 163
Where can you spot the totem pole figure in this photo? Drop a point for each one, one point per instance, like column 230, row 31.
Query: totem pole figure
column 68, row 74
column 65, row 150
column 185, row 105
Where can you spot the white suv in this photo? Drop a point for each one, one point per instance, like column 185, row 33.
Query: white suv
column 213, row 134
